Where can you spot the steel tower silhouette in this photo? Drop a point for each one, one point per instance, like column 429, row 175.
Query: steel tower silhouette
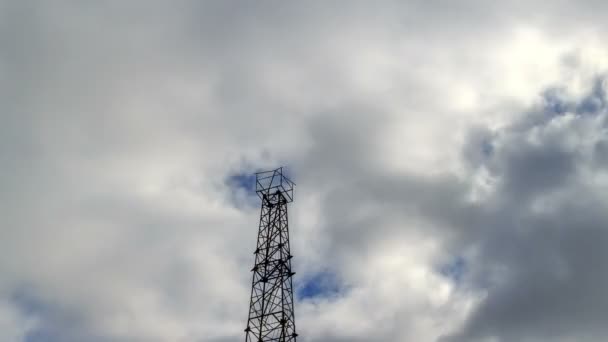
column 271, row 314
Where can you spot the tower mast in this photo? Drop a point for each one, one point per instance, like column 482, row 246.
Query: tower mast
column 271, row 314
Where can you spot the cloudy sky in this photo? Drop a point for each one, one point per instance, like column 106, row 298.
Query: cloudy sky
column 451, row 161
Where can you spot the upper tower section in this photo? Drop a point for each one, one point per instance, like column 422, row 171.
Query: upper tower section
column 269, row 184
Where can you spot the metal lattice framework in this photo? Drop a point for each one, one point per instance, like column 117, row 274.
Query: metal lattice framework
column 271, row 314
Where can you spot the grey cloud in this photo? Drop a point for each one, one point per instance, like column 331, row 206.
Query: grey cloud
column 539, row 267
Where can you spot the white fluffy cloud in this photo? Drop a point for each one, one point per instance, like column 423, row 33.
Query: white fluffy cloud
column 450, row 162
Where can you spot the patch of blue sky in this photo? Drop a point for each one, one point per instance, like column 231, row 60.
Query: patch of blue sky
column 595, row 101
column 487, row 148
column 555, row 101
column 320, row 285
column 558, row 102
column 30, row 306
column 241, row 187
column 244, row 181
column 454, row 270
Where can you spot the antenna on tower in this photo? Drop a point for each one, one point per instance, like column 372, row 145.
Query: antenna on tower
column 271, row 314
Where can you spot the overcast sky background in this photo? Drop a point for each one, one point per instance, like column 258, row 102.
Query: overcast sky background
column 451, row 162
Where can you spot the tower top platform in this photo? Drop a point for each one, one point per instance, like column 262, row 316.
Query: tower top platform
column 268, row 183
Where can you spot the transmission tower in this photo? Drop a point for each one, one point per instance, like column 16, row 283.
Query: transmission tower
column 271, row 315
